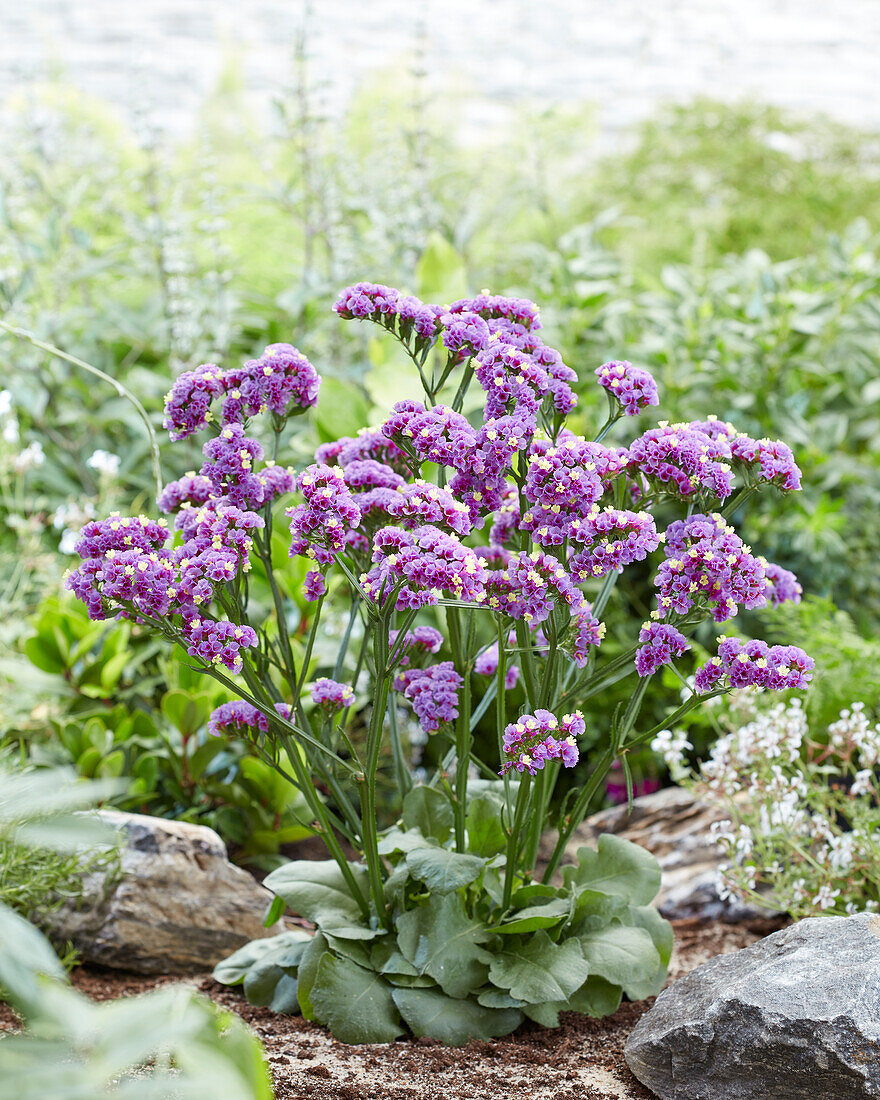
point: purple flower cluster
(315, 585)
(707, 565)
(425, 563)
(769, 459)
(319, 526)
(433, 692)
(492, 307)
(191, 489)
(387, 306)
(782, 585)
(417, 643)
(243, 718)
(281, 380)
(533, 740)
(218, 643)
(754, 664)
(513, 380)
(612, 538)
(464, 334)
(229, 465)
(634, 388)
(433, 435)
(331, 696)
(683, 458)
(660, 643)
(486, 664)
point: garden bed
(581, 1060)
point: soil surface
(581, 1060)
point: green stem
(522, 799)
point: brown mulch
(580, 1060)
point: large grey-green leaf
(441, 940)
(616, 867)
(285, 949)
(430, 811)
(593, 909)
(316, 890)
(596, 997)
(536, 916)
(356, 1004)
(443, 871)
(485, 833)
(433, 1014)
(306, 972)
(540, 970)
(398, 840)
(660, 930)
(625, 956)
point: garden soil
(581, 1060)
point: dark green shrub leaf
(536, 916)
(432, 1014)
(356, 1004)
(443, 871)
(616, 867)
(316, 890)
(441, 940)
(430, 811)
(285, 949)
(305, 975)
(485, 832)
(539, 970)
(625, 956)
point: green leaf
(285, 949)
(616, 867)
(356, 1004)
(443, 871)
(316, 890)
(185, 711)
(440, 271)
(433, 1014)
(26, 957)
(306, 972)
(396, 840)
(540, 970)
(342, 410)
(625, 956)
(430, 811)
(441, 940)
(660, 930)
(485, 832)
(536, 916)
(490, 997)
(591, 909)
(596, 997)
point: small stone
(177, 904)
(796, 1016)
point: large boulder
(674, 826)
(175, 904)
(794, 1016)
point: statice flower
(660, 643)
(535, 583)
(423, 502)
(387, 306)
(426, 563)
(433, 435)
(188, 402)
(314, 586)
(331, 696)
(281, 381)
(707, 564)
(633, 387)
(563, 484)
(612, 538)
(218, 643)
(191, 489)
(754, 664)
(243, 718)
(229, 465)
(533, 740)
(464, 334)
(781, 584)
(319, 526)
(681, 457)
(493, 306)
(418, 643)
(433, 692)
(369, 443)
(486, 664)
(769, 459)
(366, 473)
(512, 379)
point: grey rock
(175, 905)
(796, 1016)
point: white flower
(863, 783)
(105, 463)
(31, 456)
(5, 402)
(826, 897)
